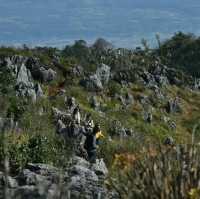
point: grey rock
(197, 84)
(173, 106)
(161, 80)
(97, 81)
(77, 71)
(47, 75)
(24, 76)
(117, 129)
(22, 70)
(95, 104)
(92, 83)
(126, 99)
(11, 182)
(79, 180)
(148, 117)
(27, 177)
(57, 114)
(38, 90)
(169, 141)
(103, 73)
(30, 192)
(100, 168)
(172, 125)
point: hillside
(146, 103)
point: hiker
(76, 115)
(91, 141)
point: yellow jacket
(99, 135)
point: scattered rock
(173, 106)
(95, 104)
(148, 117)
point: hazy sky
(124, 22)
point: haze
(123, 22)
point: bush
(37, 148)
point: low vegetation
(139, 166)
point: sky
(123, 22)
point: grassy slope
(132, 117)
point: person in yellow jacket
(91, 142)
(99, 136)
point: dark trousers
(92, 155)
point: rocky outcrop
(24, 70)
(40, 71)
(92, 83)
(40, 181)
(155, 75)
(97, 81)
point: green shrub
(37, 148)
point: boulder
(125, 100)
(38, 90)
(97, 81)
(196, 84)
(77, 71)
(47, 75)
(95, 104)
(92, 83)
(103, 73)
(100, 168)
(173, 106)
